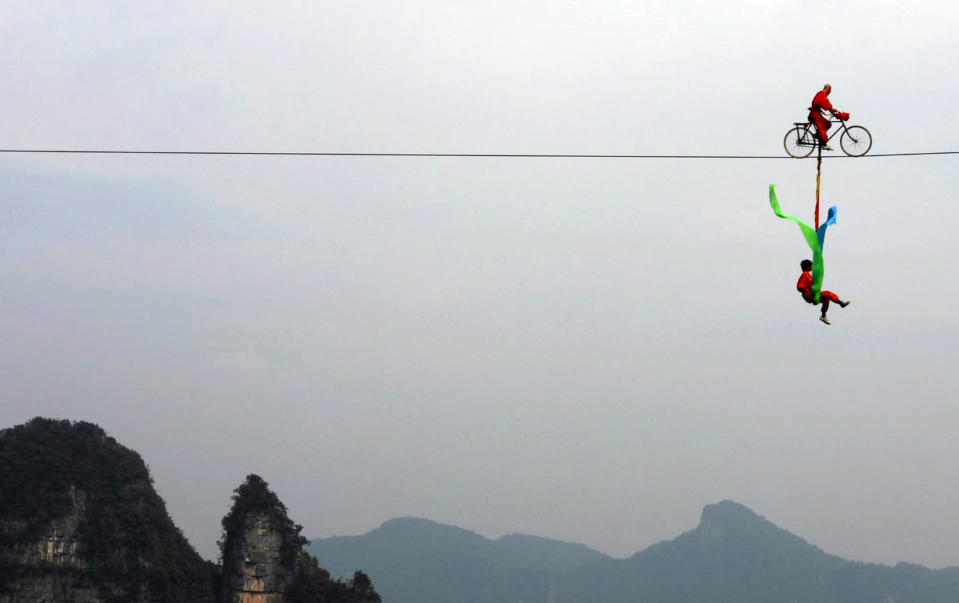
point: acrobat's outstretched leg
(826, 297)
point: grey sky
(588, 350)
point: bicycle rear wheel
(799, 142)
(855, 141)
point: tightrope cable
(463, 155)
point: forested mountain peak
(78, 514)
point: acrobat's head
(806, 265)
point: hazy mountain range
(733, 555)
(80, 521)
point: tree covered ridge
(41, 460)
(59, 472)
(128, 541)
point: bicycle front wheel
(799, 142)
(856, 141)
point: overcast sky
(583, 349)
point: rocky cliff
(54, 554)
(257, 566)
(264, 560)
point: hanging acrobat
(810, 282)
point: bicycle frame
(802, 139)
(810, 139)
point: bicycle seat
(799, 123)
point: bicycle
(801, 139)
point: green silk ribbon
(809, 233)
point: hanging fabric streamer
(821, 231)
(814, 238)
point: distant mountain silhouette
(415, 560)
(732, 556)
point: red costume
(820, 103)
(805, 287)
